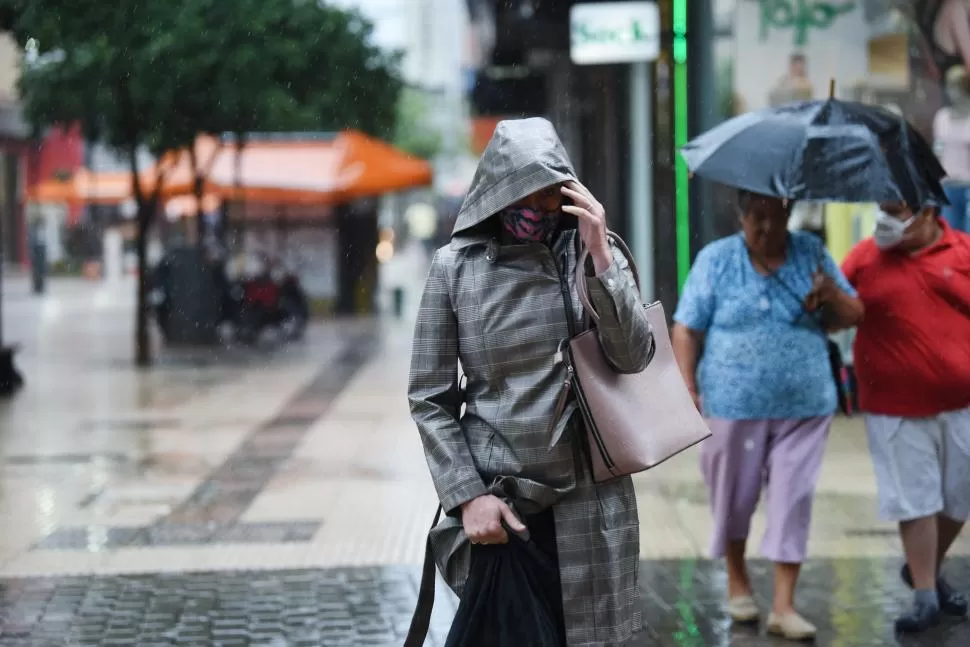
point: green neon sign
(801, 16)
(681, 200)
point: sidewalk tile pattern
(211, 514)
(196, 504)
(853, 602)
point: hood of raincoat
(523, 156)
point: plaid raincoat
(501, 311)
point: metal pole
(697, 111)
(10, 378)
(641, 175)
(3, 240)
(4, 214)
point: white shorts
(922, 465)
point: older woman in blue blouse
(750, 336)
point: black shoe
(952, 602)
(919, 618)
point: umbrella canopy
(831, 151)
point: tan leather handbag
(634, 421)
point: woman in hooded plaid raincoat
(499, 300)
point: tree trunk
(198, 191)
(238, 195)
(147, 207)
(143, 350)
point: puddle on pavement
(691, 493)
(210, 423)
(129, 424)
(121, 498)
(152, 466)
(115, 500)
(175, 464)
(301, 469)
(66, 459)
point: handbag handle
(581, 272)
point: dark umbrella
(831, 151)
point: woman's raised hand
(592, 223)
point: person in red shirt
(912, 361)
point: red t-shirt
(912, 349)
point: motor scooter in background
(263, 296)
(269, 298)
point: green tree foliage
(412, 132)
(158, 73)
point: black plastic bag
(512, 598)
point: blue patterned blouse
(763, 356)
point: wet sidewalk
(853, 602)
(280, 497)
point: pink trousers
(784, 457)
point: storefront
(768, 52)
(746, 55)
(613, 111)
(15, 153)
(716, 59)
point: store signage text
(801, 16)
(614, 32)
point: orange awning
(372, 167)
(274, 171)
(350, 165)
(85, 186)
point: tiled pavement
(280, 497)
(851, 600)
(212, 512)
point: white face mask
(890, 231)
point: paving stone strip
(211, 513)
(852, 601)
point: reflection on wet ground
(852, 601)
(211, 513)
(280, 496)
(76, 353)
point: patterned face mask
(530, 225)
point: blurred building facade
(718, 58)
(429, 34)
(13, 150)
(885, 52)
(27, 160)
(524, 68)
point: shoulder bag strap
(581, 272)
(800, 300)
(421, 620)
